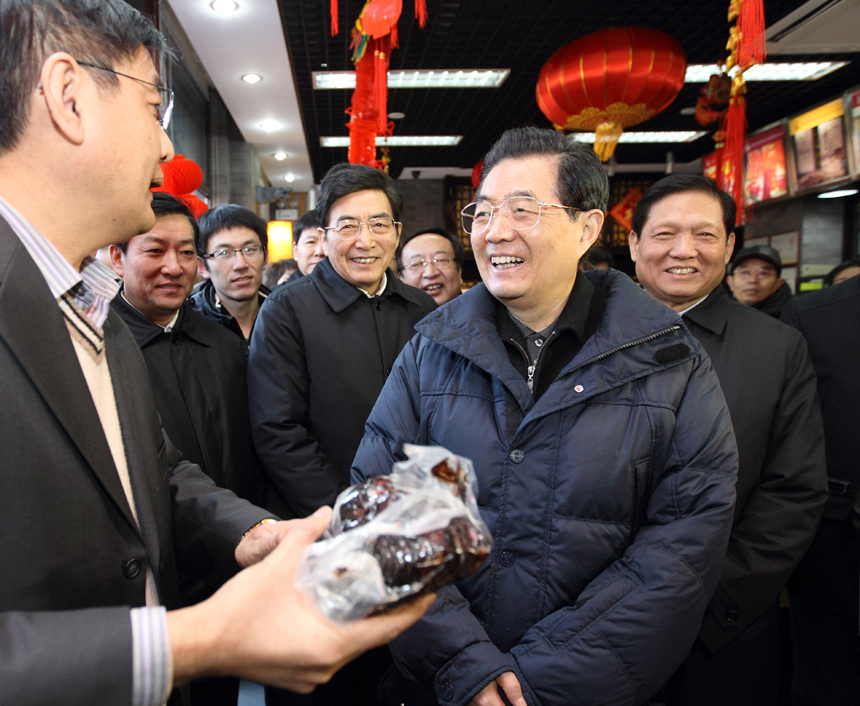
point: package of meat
(395, 537)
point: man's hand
(259, 627)
(489, 695)
(260, 541)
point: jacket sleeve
(448, 632)
(634, 623)
(780, 514)
(279, 390)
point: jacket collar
(713, 313)
(339, 294)
(145, 330)
(468, 326)
(32, 327)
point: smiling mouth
(682, 270)
(364, 260)
(432, 288)
(506, 262)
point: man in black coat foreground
(681, 241)
(824, 589)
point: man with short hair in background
(755, 280)
(97, 507)
(432, 260)
(307, 245)
(232, 253)
(682, 238)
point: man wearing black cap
(755, 280)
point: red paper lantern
(610, 80)
(476, 174)
(181, 177)
(379, 16)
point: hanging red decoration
(732, 152)
(181, 177)
(379, 17)
(476, 174)
(610, 80)
(751, 33)
(334, 26)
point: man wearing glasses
(604, 452)
(232, 248)
(432, 260)
(97, 507)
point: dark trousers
(354, 685)
(744, 672)
(824, 592)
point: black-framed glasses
(350, 227)
(520, 212)
(443, 263)
(164, 110)
(250, 253)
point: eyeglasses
(520, 212)
(164, 110)
(350, 227)
(747, 273)
(250, 253)
(443, 263)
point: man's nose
(167, 152)
(683, 246)
(499, 228)
(170, 264)
(239, 261)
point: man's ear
(730, 247)
(633, 244)
(116, 259)
(62, 85)
(324, 238)
(591, 228)
(202, 270)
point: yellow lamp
(280, 240)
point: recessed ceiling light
(643, 137)
(224, 7)
(269, 125)
(280, 156)
(290, 178)
(401, 141)
(839, 194)
(397, 115)
(451, 78)
(689, 110)
(776, 71)
(252, 78)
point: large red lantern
(610, 80)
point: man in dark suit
(96, 505)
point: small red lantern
(181, 177)
(609, 80)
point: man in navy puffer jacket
(604, 451)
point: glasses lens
(522, 212)
(467, 216)
(381, 226)
(442, 263)
(252, 252)
(165, 111)
(347, 229)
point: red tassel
(421, 12)
(394, 39)
(381, 86)
(736, 126)
(751, 47)
(334, 27)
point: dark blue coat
(610, 506)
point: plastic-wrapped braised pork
(398, 536)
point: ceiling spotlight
(689, 110)
(397, 115)
(269, 126)
(290, 178)
(252, 78)
(280, 156)
(224, 7)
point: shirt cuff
(152, 661)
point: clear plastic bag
(395, 537)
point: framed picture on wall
(819, 146)
(788, 247)
(854, 116)
(765, 172)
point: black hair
(100, 32)
(276, 270)
(828, 279)
(680, 184)
(581, 180)
(597, 255)
(308, 220)
(459, 253)
(229, 215)
(164, 204)
(344, 179)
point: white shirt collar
(381, 288)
